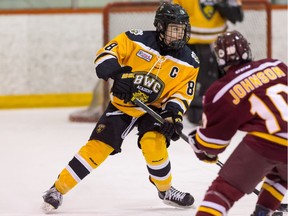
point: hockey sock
(153, 145)
(89, 157)
(219, 198)
(272, 193)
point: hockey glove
(200, 154)
(167, 129)
(172, 126)
(123, 83)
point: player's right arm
(108, 58)
(107, 65)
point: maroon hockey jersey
(251, 97)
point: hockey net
(122, 16)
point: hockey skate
(176, 198)
(52, 200)
(262, 211)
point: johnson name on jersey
(253, 98)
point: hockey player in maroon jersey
(251, 97)
(157, 67)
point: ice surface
(36, 144)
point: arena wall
(47, 58)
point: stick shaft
(155, 115)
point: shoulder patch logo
(100, 128)
(136, 31)
(207, 8)
(144, 55)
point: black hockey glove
(201, 155)
(123, 84)
(172, 126)
(167, 129)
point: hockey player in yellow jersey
(208, 18)
(158, 68)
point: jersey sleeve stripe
(211, 140)
(208, 144)
(100, 59)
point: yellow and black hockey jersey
(161, 78)
(205, 20)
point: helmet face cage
(232, 48)
(171, 13)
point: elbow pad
(107, 68)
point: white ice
(36, 144)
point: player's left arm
(178, 102)
(181, 98)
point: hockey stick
(283, 207)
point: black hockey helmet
(171, 13)
(232, 48)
